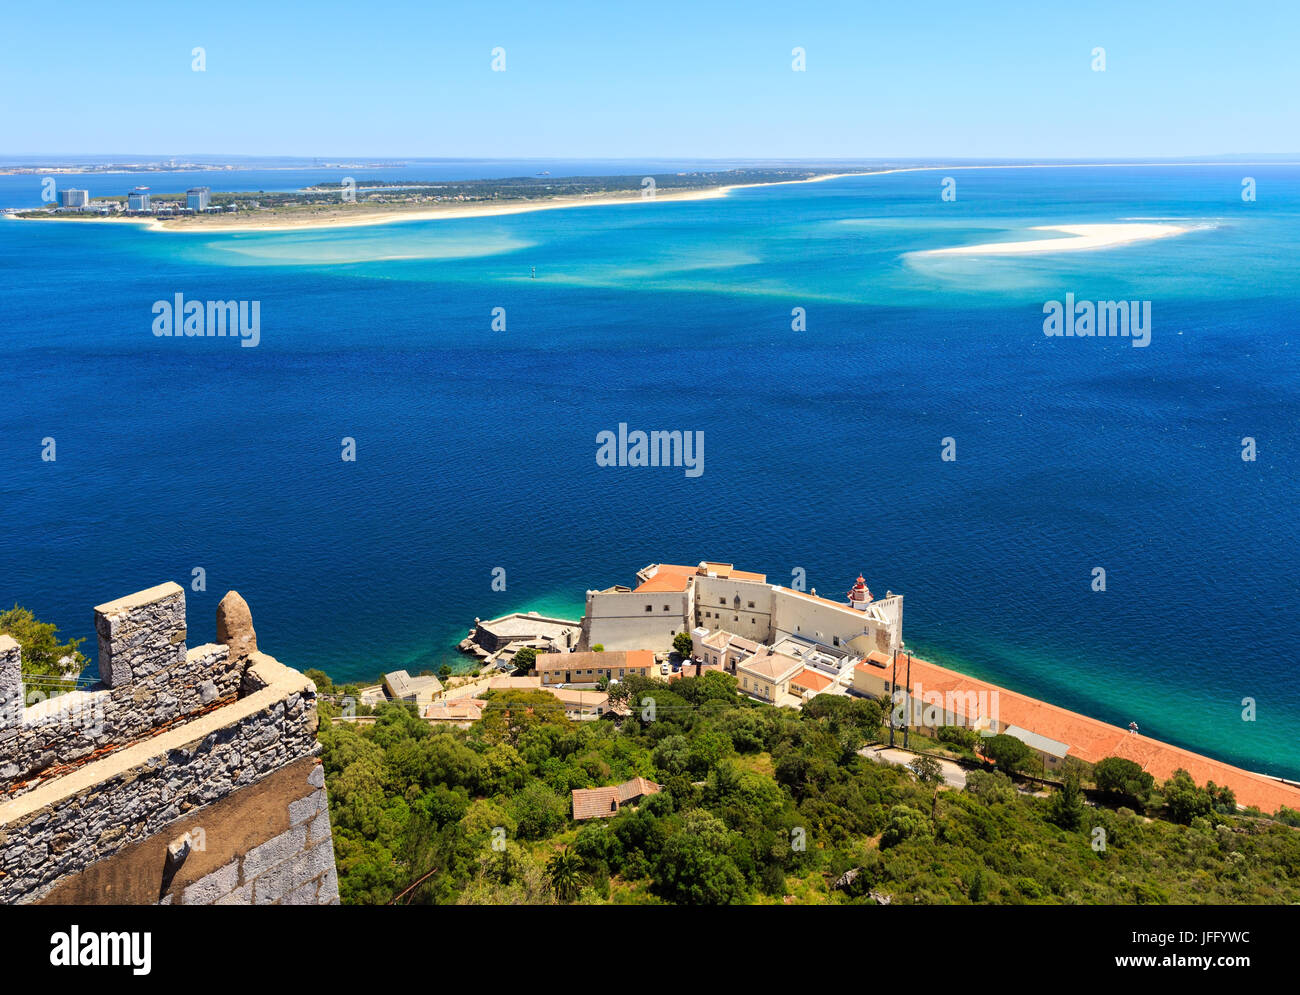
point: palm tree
(565, 874)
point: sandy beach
(1081, 238)
(360, 215)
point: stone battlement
(183, 776)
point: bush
(1010, 754)
(904, 823)
(1123, 779)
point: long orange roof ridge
(1091, 739)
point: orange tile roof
(638, 787)
(769, 665)
(592, 660)
(721, 569)
(601, 803)
(811, 680)
(594, 803)
(1091, 739)
(664, 582)
(457, 710)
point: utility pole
(893, 690)
(909, 698)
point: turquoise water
(476, 448)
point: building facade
(715, 596)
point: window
(649, 608)
(751, 604)
(837, 640)
(668, 608)
(723, 602)
(735, 618)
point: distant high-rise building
(73, 198)
(196, 199)
(138, 199)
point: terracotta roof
(593, 660)
(457, 710)
(721, 569)
(811, 680)
(772, 666)
(638, 787)
(671, 583)
(594, 803)
(601, 803)
(1091, 739)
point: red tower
(860, 596)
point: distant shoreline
(337, 216)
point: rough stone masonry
(183, 777)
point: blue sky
(976, 78)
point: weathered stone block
(11, 682)
(141, 634)
(319, 828)
(274, 851)
(306, 808)
(211, 888)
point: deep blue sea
(476, 448)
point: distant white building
(196, 198)
(671, 598)
(138, 199)
(73, 198)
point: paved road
(954, 775)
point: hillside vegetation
(762, 805)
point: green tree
(1065, 808)
(683, 644)
(978, 887)
(696, 866)
(43, 654)
(927, 770)
(538, 811)
(1124, 779)
(673, 755)
(525, 661)
(905, 823)
(1010, 754)
(990, 787)
(324, 685)
(1184, 801)
(566, 875)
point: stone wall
(181, 769)
(149, 682)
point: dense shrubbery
(760, 805)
